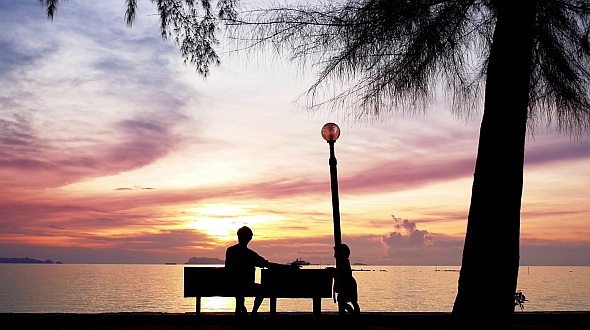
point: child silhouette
(344, 283)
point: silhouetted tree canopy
(392, 55)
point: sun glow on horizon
(222, 220)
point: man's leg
(342, 307)
(240, 307)
(257, 303)
(258, 298)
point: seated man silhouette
(241, 263)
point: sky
(113, 150)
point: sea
(115, 288)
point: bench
(316, 284)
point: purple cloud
(407, 245)
(29, 160)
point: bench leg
(273, 306)
(317, 308)
(198, 306)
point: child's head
(342, 251)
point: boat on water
(300, 262)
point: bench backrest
(296, 283)
(206, 282)
(279, 283)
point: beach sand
(305, 321)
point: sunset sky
(115, 151)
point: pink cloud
(29, 160)
(408, 245)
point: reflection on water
(41, 288)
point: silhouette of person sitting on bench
(241, 263)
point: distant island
(26, 260)
(203, 261)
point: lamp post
(331, 133)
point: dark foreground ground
(304, 321)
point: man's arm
(274, 265)
(263, 263)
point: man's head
(245, 234)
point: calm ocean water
(47, 288)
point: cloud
(165, 246)
(38, 152)
(27, 159)
(403, 174)
(555, 149)
(408, 245)
(407, 235)
(135, 188)
(90, 99)
(21, 47)
(554, 253)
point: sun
(222, 220)
(223, 229)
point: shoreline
(550, 320)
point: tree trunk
(489, 269)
